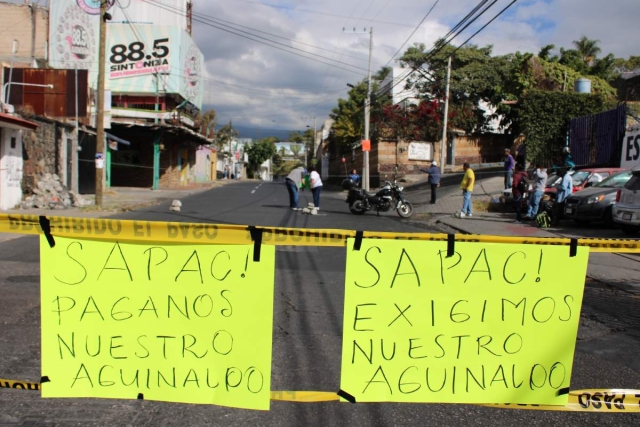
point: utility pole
(367, 112)
(443, 143)
(100, 146)
(367, 115)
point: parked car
(626, 212)
(582, 178)
(596, 202)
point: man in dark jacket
(434, 179)
(520, 184)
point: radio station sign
(137, 58)
(154, 58)
(74, 27)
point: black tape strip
(358, 243)
(256, 236)
(45, 224)
(451, 245)
(563, 391)
(44, 379)
(573, 249)
(346, 396)
(140, 396)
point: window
(634, 183)
(615, 181)
(13, 142)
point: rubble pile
(49, 193)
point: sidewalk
(619, 270)
(115, 200)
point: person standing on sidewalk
(316, 186)
(509, 163)
(433, 179)
(468, 180)
(564, 189)
(293, 181)
(539, 182)
(520, 185)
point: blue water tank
(583, 86)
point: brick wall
(386, 154)
(481, 149)
(18, 17)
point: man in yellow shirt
(468, 180)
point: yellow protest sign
(157, 321)
(493, 323)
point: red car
(582, 178)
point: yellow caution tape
(304, 396)
(596, 400)
(22, 385)
(203, 233)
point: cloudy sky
(278, 64)
(311, 58)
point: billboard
(143, 40)
(74, 26)
(153, 58)
(631, 149)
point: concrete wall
(11, 165)
(27, 24)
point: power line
(321, 13)
(461, 26)
(412, 33)
(272, 43)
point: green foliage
(544, 117)
(588, 49)
(208, 123)
(225, 135)
(349, 114)
(285, 167)
(258, 152)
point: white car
(626, 211)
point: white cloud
(290, 89)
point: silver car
(595, 203)
(626, 212)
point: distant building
(395, 86)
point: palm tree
(588, 49)
(295, 149)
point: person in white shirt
(316, 186)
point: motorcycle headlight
(400, 188)
(595, 199)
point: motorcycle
(389, 196)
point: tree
(208, 123)
(295, 149)
(545, 53)
(349, 113)
(225, 135)
(588, 49)
(258, 152)
(476, 77)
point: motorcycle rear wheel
(357, 208)
(405, 210)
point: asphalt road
(307, 333)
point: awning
(13, 122)
(115, 138)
